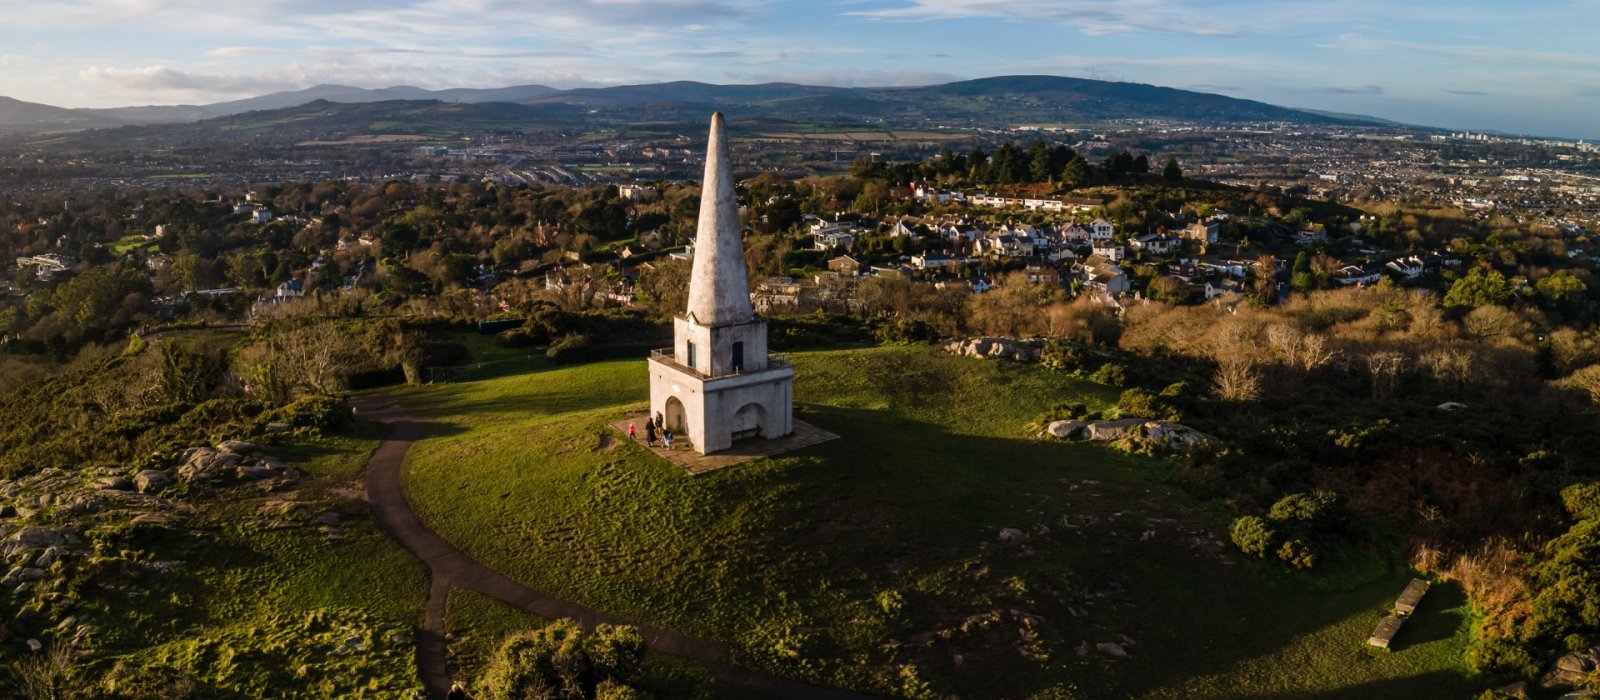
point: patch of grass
(875, 561)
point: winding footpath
(449, 567)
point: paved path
(449, 568)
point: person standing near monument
(667, 436)
(650, 434)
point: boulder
(38, 537)
(50, 556)
(151, 481)
(1114, 429)
(277, 428)
(1572, 669)
(114, 483)
(255, 472)
(1066, 428)
(205, 463)
(1011, 534)
(238, 447)
(1112, 650)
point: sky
(1531, 66)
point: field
(876, 561)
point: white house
(1110, 251)
(833, 238)
(1103, 275)
(1409, 267)
(1101, 230)
(1154, 244)
(261, 216)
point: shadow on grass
(1436, 618)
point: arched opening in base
(747, 421)
(675, 417)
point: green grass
(873, 561)
(259, 599)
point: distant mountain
(1000, 101)
(19, 116)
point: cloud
(159, 79)
(1092, 17)
(1468, 93)
(855, 77)
(1368, 89)
(1472, 52)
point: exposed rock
(238, 447)
(114, 483)
(50, 556)
(1164, 434)
(1112, 650)
(35, 646)
(151, 481)
(255, 472)
(276, 428)
(1066, 428)
(1451, 406)
(1571, 669)
(39, 537)
(205, 463)
(1517, 690)
(1003, 348)
(1011, 534)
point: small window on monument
(691, 355)
(738, 357)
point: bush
(905, 332)
(1297, 554)
(1061, 357)
(1503, 656)
(1111, 374)
(1252, 535)
(562, 660)
(1139, 403)
(1314, 508)
(314, 412)
(571, 347)
(1582, 500)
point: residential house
(1101, 230)
(1358, 275)
(1310, 235)
(1108, 250)
(1098, 273)
(934, 261)
(1224, 287)
(1154, 244)
(845, 265)
(1081, 204)
(292, 289)
(1076, 234)
(905, 228)
(1208, 231)
(1043, 274)
(261, 216)
(1410, 267)
(835, 238)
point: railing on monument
(668, 357)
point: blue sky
(1531, 66)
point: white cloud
(1092, 17)
(855, 77)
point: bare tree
(1385, 368)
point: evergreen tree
(1170, 172)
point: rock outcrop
(995, 348)
(1164, 435)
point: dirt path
(449, 568)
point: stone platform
(804, 435)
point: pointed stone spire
(719, 291)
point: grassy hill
(875, 561)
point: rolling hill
(338, 111)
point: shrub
(1501, 655)
(1139, 403)
(315, 412)
(562, 660)
(1111, 374)
(1252, 535)
(891, 602)
(1297, 554)
(571, 347)
(1313, 508)
(1061, 357)
(905, 332)
(1582, 500)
